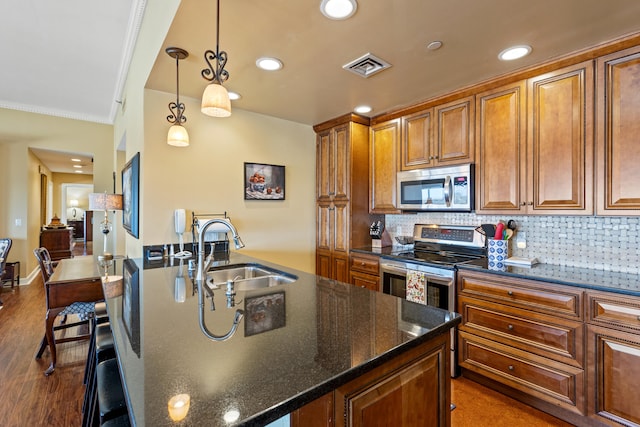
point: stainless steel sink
(247, 276)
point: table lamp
(106, 202)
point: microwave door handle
(447, 190)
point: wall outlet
(521, 240)
(18, 222)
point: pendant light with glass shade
(215, 99)
(177, 135)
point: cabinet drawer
(559, 384)
(619, 311)
(556, 300)
(556, 338)
(365, 264)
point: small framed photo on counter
(263, 182)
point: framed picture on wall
(130, 195)
(263, 182)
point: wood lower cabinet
(535, 145)
(527, 336)
(569, 352)
(342, 197)
(613, 362)
(618, 126)
(364, 271)
(412, 389)
(59, 242)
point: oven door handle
(393, 269)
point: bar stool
(100, 317)
(111, 400)
(102, 350)
(121, 421)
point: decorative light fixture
(514, 52)
(106, 202)
(177, 135)
(215, 99)
(338, 9)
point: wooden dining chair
(84, 310)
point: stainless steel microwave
(438, 189)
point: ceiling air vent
(367, 65)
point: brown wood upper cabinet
(535, 144)
(383, 157)
(442, 135)
(618, 128)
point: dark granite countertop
(610, 281)
(301, 341)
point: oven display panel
(450, 234)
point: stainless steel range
(426, 274)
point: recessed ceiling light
(363, 109)
(434, 45)
(234, 96)
(269, 64)
(338, 9)
(514, 52)
(76, 160)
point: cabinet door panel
(618, 129)
(324, 224)
(341, 228)
(455, 132)
(342, 161)
(383, 157)
(560, 140)
(500, 133)
(416, 141)
(614, 368)
(324, 169)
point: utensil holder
(497, 253)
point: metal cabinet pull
(510, 327)
(511, 367)
(510, 293)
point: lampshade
(215, 101)
(105, 202)
(178, 136)
(73, 203)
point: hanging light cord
(177, 108)
(216, 74)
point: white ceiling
(69, 58)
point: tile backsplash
(602, 243)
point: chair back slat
(5, 247)
(46, 265)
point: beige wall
(20, 131)
(208, 177)
(68, 178)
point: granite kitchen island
(298, 343)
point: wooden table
(74, 280)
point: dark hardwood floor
(28, 398)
